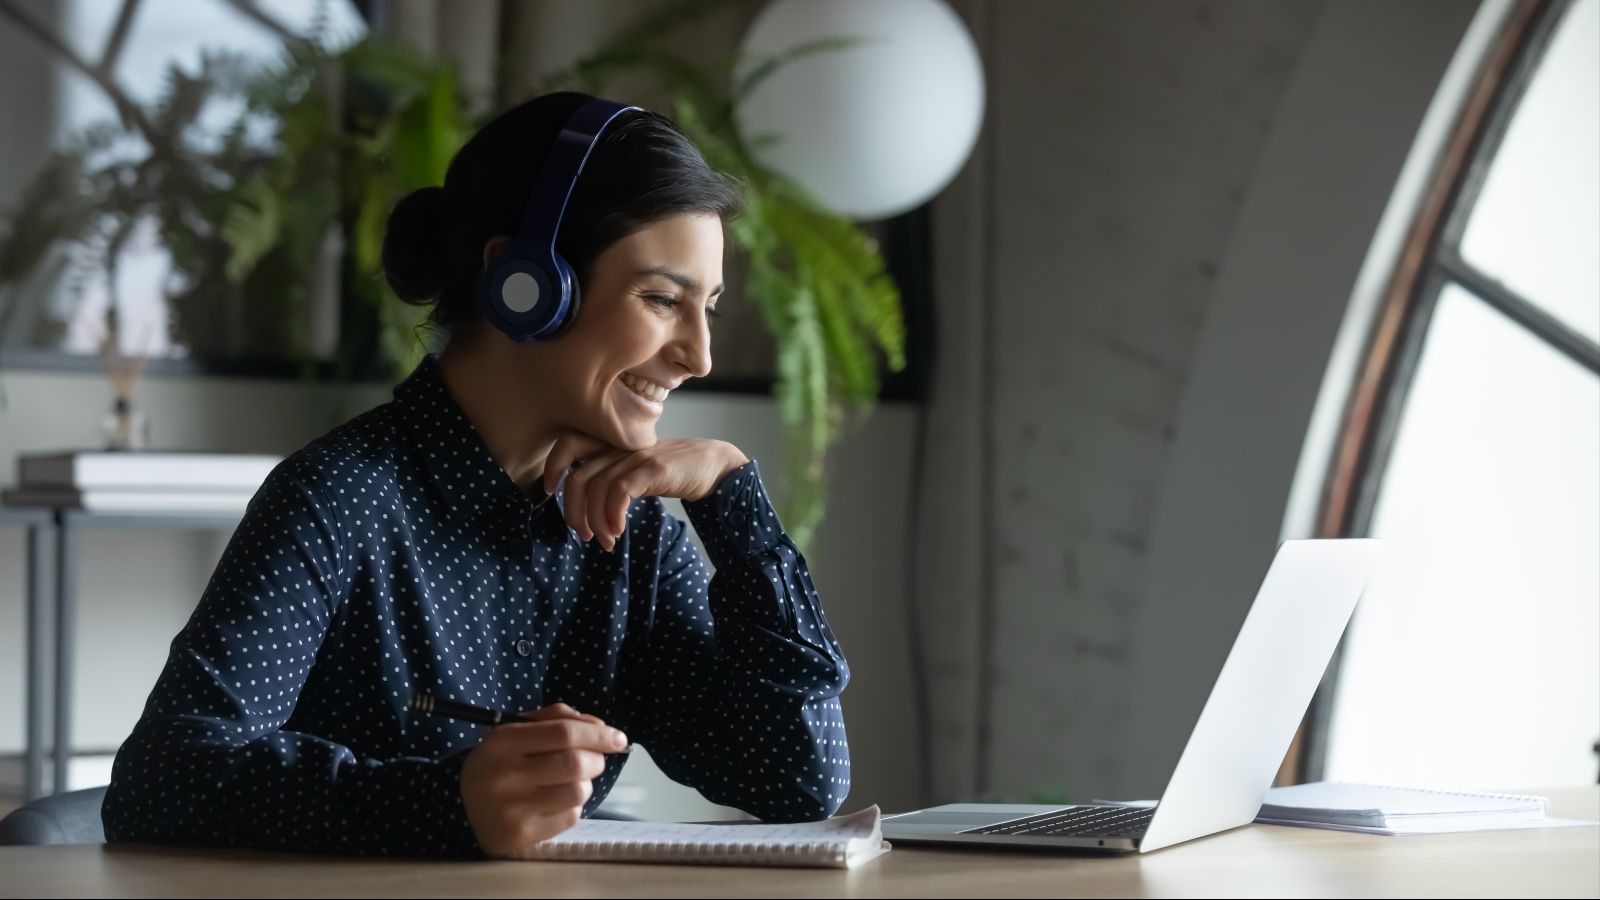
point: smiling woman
(417, 547)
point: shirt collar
(463, 472)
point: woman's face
(643, 329)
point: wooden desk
(1255, 861)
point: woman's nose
(692, 349)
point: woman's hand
(604, 480)
(528, 781)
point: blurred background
(1050, 321)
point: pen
(425, 702)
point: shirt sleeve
(740, 693)
(210, 761)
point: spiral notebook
(842, 842)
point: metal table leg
(33, 766)
(66, 621)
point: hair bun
(415, 243)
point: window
(1473, 660)
(134, 49)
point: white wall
(1077, 259)
(1349, 120)
(1142, 275)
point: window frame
(1430, 260)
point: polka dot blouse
(393, 555)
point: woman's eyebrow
(681, 280)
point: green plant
(364, 126)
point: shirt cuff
(736, 520)
(439, 812)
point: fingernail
(618, 739)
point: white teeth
(645, 388)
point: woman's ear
(493, 248)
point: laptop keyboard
(1077, 821)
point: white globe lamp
(871, 129)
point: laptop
(1237, 744)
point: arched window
(1474, 449)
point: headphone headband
(552, 189)
(532, 293)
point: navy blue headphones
(531, 293)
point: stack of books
(140, 482)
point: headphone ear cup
(574, 296)
(517, 296)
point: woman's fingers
(609, 497)
(558, 711)
(575, 503)
(568, 449)
(618, 498)
(555, 735)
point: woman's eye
(670, 301)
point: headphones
(531, 293)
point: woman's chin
(632, 436)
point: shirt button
(524, 648)
(736, 517)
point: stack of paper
(1375, 809)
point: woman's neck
(518, 435)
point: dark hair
(642, 170)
